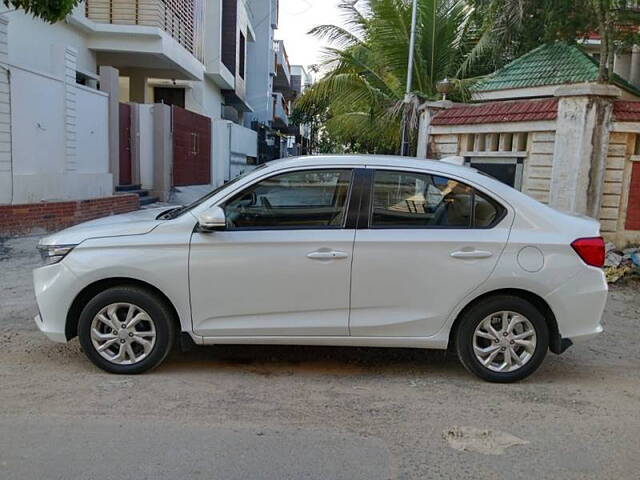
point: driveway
(240, 412)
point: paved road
(119, 447)
(302, 412)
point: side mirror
(212, 219)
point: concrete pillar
(580, 151)
(622, 65)
(138, 91)
(109, 83)
(634, 76)
(6, 164)
(427, 111)
(163, 152)
(67, 59)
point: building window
(636, 146)
(242, 55)
(169, 96)
(506, 169)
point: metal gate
(125, 177)
(191, 148)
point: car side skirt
(434, 342)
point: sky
(297, 17)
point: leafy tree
(506, 29)
(48, 10)
(363, 90)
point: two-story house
(99, 100)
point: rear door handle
(471, 254)
(327, 255)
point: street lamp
(444, 87)
(404, 145)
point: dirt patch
(487, 442)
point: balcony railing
(281, 58)
(182, 19)
(280, 110)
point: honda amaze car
(331, 250)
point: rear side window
(417, 200)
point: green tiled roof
(549, 64)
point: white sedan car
(332, 250)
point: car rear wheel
(126, 330)
(502, 339)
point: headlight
(54, 253)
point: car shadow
(287, 360)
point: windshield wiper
(169, 214)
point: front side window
(303, 199)
(417, 200)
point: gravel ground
(302, 412)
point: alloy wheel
(123, 333)
(504, 341)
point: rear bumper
(578, 306)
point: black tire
(475, 314)
(154, 306)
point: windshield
(176, 212)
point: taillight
(590, 250)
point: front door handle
(470, 254)
(327, 255)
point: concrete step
(140, 192)
(127, 188)
(146, 200)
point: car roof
(371, 160)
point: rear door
(424, 242)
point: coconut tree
(366, 67)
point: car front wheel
(126, 330)
(502, 339)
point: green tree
(506, 29)
(361, 95)
(48, 10)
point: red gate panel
(125, 177)
(191, 148)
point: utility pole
(404, 146)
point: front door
(124, 118)
(282, 266)
(429, 241)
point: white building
(62, 131)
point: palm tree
(364, 87)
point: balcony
(280, 111)
(282, 79)
(178, 18)
(155, 38)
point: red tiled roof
(498, 112)
(626, 111)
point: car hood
(133, 223)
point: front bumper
(55, 335)
(55, 287)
